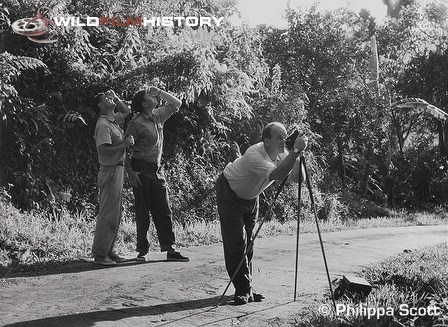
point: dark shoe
(240, 299)
(256, 297)
(106, 261)
(176, 256)
(115, 257)
(142, 252)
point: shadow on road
(91, 318)
(54, 268)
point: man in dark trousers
(237, 192)
(146, 173)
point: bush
(416, 279)
(27, 238)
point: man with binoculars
(111, 147)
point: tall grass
(27, 238)
(35, 237)
(418, 279)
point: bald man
(237, 192)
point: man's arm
(167, 97)
(132, 175)
(287, 164)
(122, 108)
(108, 150)
(298, 171)
(285, 167)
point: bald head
(274, 135)
(269, 130)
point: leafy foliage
(233, 80)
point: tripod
(268, 212)
(313, 204)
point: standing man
(111, 148)
(237, 191)
(146, 173)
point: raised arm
(287, 164)
(122, 108)
(167, 97)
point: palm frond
(72, 117)
(20, 63)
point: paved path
(159, 293)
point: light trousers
(110, 184)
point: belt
(146, 164)
(232, 193)
(119, 163)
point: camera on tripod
(289, 142)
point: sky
(270, 12)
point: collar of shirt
(109, 118)
(147, 116)
(266, 155)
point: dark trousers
(152, 197)
(237, 217)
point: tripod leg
(298, 228)
(318, 232)
(251, 242)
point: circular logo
(324, 309)
(39, 29)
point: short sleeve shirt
(107, 131)
(248, 175)
(147, 131)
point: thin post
(298, 226)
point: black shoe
(115, 257)
(240, 299)
(104, 261)
(140, 257)
(256, 297)
(176, 256)
(142, 252)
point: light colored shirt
(107, 131)
(147, 131)
(248, 175)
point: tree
(216, 71)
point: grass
(398, 219)
(37, 241)
(33, 238)
(417, 281)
